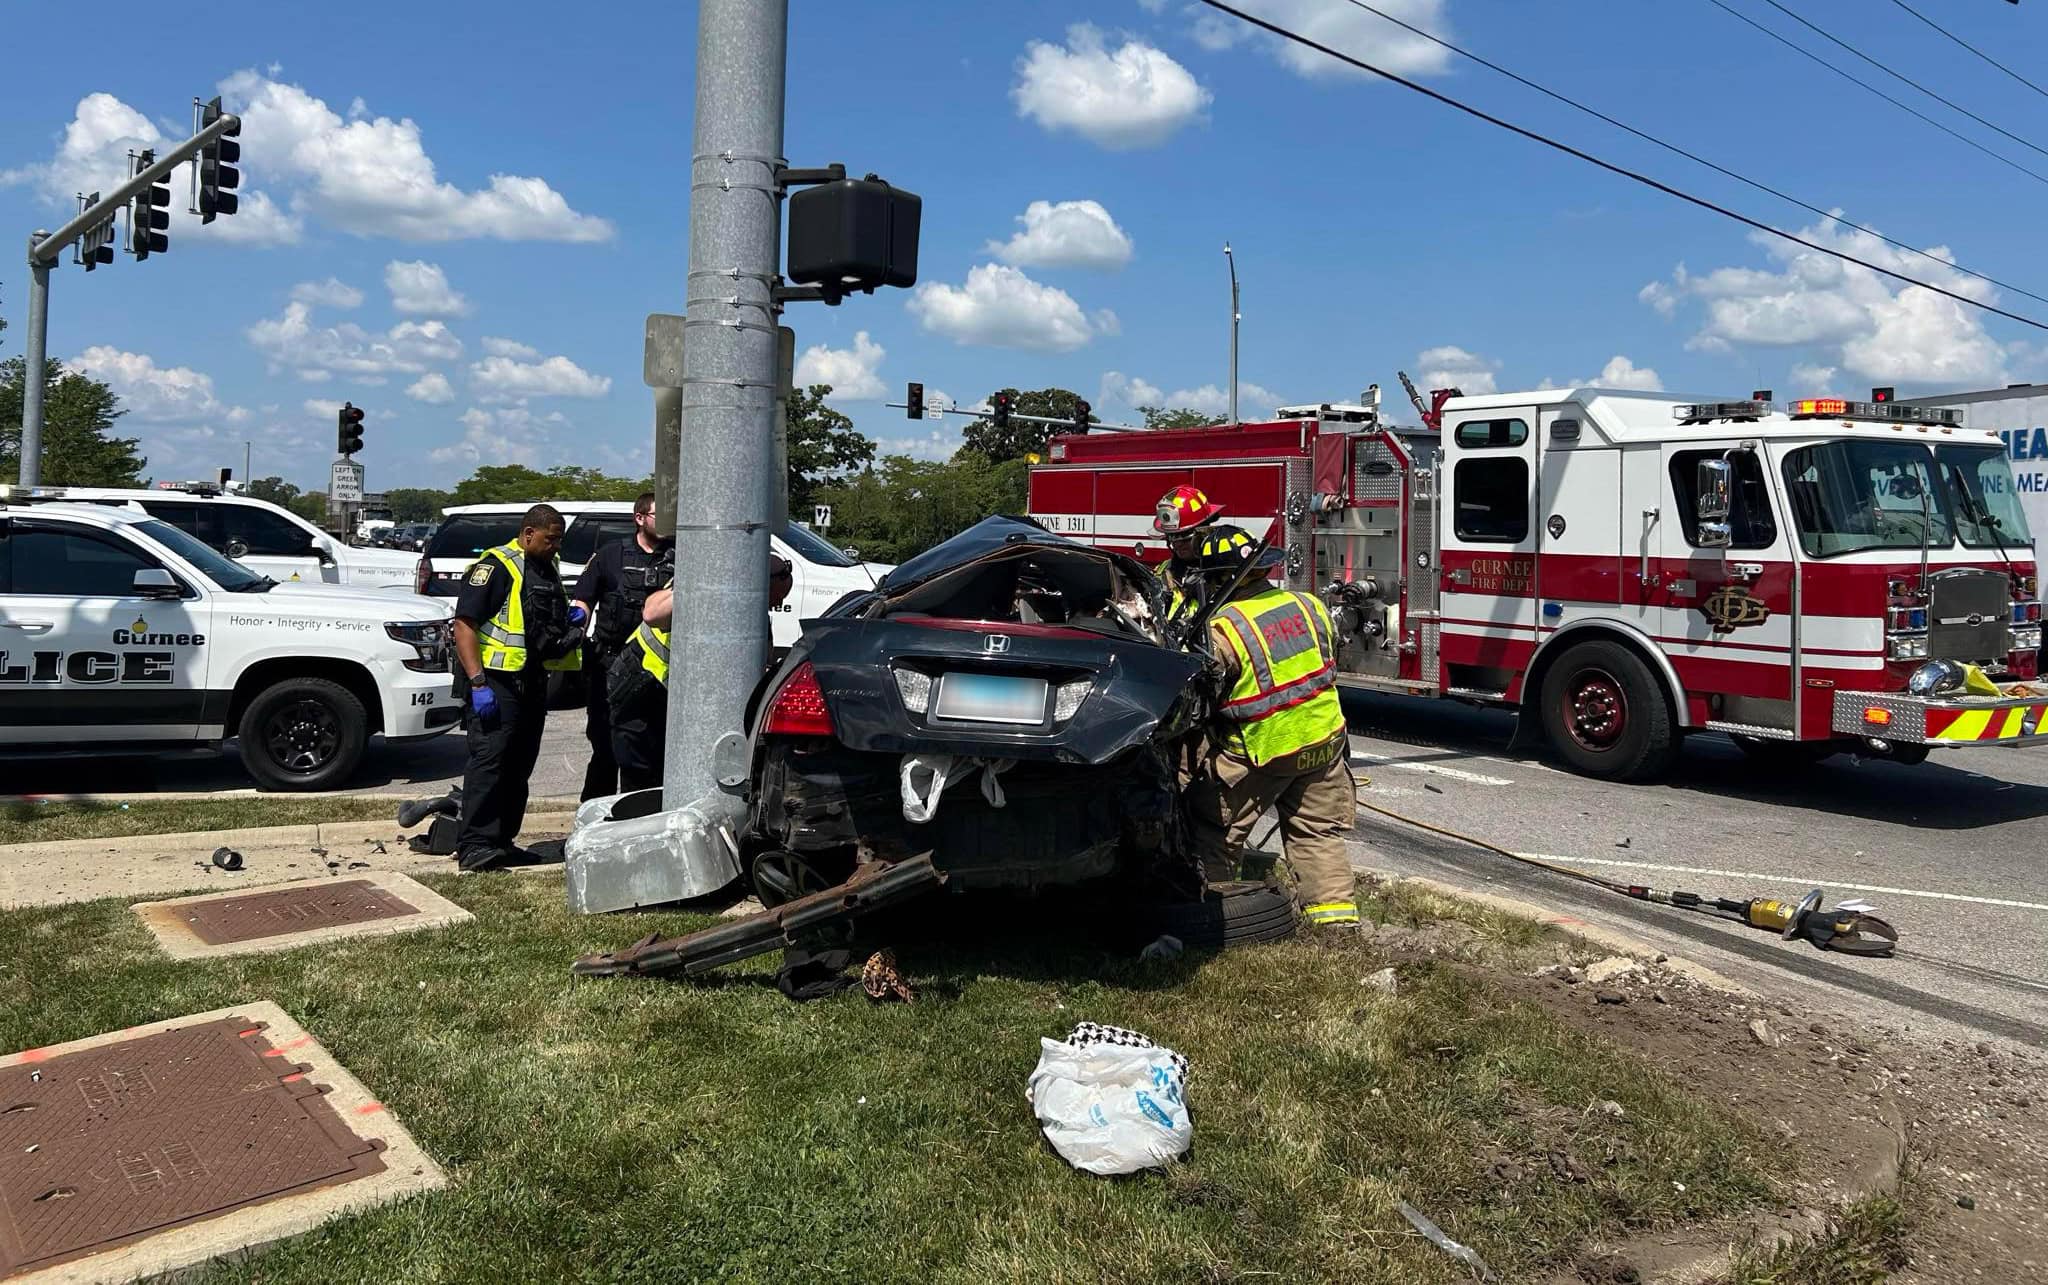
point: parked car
(409, 537)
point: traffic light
(95, 243)
(1881, 394)
(1081, 415)
(151, 216)
(227, 475)
(999, 409)
(348, 429)
(913, 403)
(218, 177)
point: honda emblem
(995, 643)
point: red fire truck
(1624, 568)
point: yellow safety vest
(653, 646)
(502, 638)
(1285, 700)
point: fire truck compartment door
(1491, 527)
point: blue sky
(456, 216)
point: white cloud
(511, 435)
(938, 444)
(852, 372)
(1449, 366)
(154, 393)
(1000, 307)
(1620, 372)
(421, 288)
(1809, 380)
(496, 347)
(1254, 401)
(93, 157)
(1342, 27)
(372, 175)
(1843, 316)
(1129, 97)
(508, 379)
(331, 293)
(1069, 234)
(294, 341)
(1119, 389)
(320, 409)
(432, 388)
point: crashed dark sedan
(1020, 674)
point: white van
(263, 537)
(120, 633)
(822, 574)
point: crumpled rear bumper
(1942, 723)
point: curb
(1594, 934)
(247, 793)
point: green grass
(636, 1129)
(1862, 1245)
(48, 822)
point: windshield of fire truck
(1987, 504)
(1853, 495)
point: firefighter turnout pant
(1317, 804)
(503, 749)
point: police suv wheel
(303, 734)
(1606, 715)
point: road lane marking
(1808, 880)
(1360, 757)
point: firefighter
(1279, 740)
(616, 583)
(513, 625)
(638, 683)
(1187, 519)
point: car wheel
(1229, 914)
(303, 734)
(1606, 715)
(1782, 754)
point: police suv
(121, 633)
(262, 536)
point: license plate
(990, 698)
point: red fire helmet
(1183, 509)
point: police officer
(1187, 518)
(513, 624)
(615, 582)
(639, 683)
(1279, 742)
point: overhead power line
(1306, 42)
(1972, 48)
(1576, 105)
(1903, 79)
(1803, 51)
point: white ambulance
(121, 633)
(264, 537)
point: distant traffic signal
(348, 429)
(1881, 394)
(914, 402)
(999, 409)
(151, 215)
(218, 177)
(1081, 415)
(95, 243)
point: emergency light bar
(1883, 412)
(1697, 412)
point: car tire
(1229, 914)
(1784, 754)
(303, 734)
(1606, 715)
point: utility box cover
(855, 234)
(662, 360)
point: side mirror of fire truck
(1716, 500)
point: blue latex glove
(577, 615)
(483, 701)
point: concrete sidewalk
(155, 865)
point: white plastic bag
(1111, 1101)
(925, 777)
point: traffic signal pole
(719, 637)
(43, 251)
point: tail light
(799, 706)
(423, 575)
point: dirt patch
(1851, 1105)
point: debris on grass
(1435, 1235)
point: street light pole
(720, 632)
(36, 351)
(1232, 261)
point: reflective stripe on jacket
(502, 638)
(652, 646)
(1285, 698)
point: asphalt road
(1953, 852)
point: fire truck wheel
(1606, 715)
